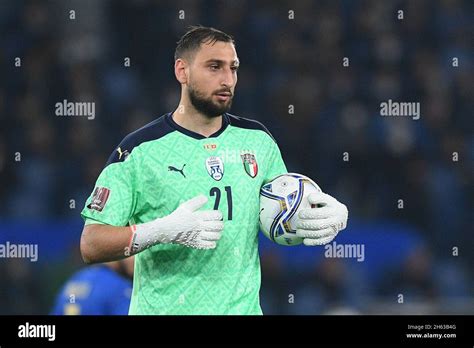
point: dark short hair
(197, 35)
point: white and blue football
(280, 201)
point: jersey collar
(172, 123)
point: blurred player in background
(200, 256)
(97, 290)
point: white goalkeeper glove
(321, 224)
(186, 226)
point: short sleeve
(276, 165)
(113, 199)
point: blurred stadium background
(284, 62)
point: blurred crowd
(422, 54)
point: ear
(180, 66)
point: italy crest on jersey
(215, 167)
(250, 164)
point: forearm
(187, 226)
(103, 243)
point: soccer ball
(280, 201)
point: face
(212, 76)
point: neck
(188, 117)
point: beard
(207, 106)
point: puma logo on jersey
(174, 169)
(122, 153)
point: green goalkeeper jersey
(161, 165)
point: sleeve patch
(99, 198)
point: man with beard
(182, 194)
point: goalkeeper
(173, 196)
